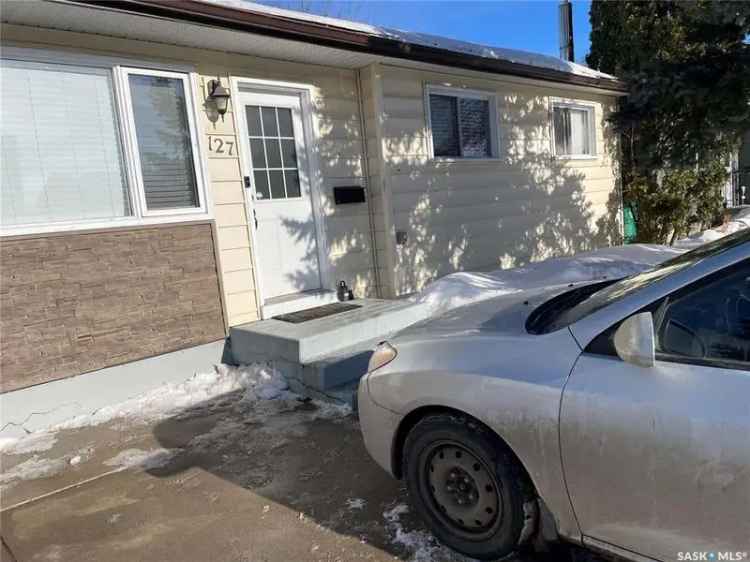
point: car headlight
(384, 353)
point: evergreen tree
(687, 67)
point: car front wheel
(467, 486)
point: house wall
(522, 206)
(73, 303)
(338, 146)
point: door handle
(246, 182)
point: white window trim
(590, 108)
(120, 68)
(133, 155)
(494, 138)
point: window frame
(119, 69)
(489, 96)
(590, 108)
(124, 75)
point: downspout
(366, 174)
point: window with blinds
(60, 153)
(164, 142)
(573, 130)
(461, 126)
(91, 145)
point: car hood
(506, 314)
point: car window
(707, 321)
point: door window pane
(258, 153)
(288, 153)
(285, 122)
(253, 120)
(292, 183)
(273, 152)
(710, 321)
(61, 157)
(261, 184)
(277, 184)
(164, 141)
(269, 122)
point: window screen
(460, 126)
(573, 131)
(164, 144)
(61, 156)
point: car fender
(518, 398)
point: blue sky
(529, 25)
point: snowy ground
(231, 477)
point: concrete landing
(326, 352)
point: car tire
(468, 487)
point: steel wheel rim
(463, 489)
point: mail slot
(344, 195)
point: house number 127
(221, 146)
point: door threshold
(297, 301)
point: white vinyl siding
(480, 214)
(89, 143)
(574, 132)
(462, 124)
(61, 150)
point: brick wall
(79, 302)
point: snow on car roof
(424, 39)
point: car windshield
(578, 303)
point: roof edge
(195, 11)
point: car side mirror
(634, 340)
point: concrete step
(325, 353)
(313, 340)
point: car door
(657, 460)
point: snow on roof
(424, 39)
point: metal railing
(738, 189)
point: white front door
(279, 184)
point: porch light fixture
(219, 95)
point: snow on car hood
(461, 289)
(505, 313)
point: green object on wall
(631, 230)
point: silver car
(612, 414)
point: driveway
(227, 480)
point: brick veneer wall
(74, 303)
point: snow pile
(259, 382)
(422, 546)
(34, 443)
(740, 222)
(32, 469)
(131, 458)
(459, 289)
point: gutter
(195, 11)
